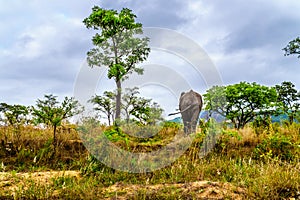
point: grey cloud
(259, 33)
(154, 13)
(246, 35)
(254, 24)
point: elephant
(190, 105)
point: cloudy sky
(43, 44)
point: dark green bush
(276, 146)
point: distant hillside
(205, 115)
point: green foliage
(276, 146)
(225, 137)
(105, 104)
(131, 102)
(135, 108)
(93, 166)
(50, 113)
(114, 134)
(45, 153)
(216, 101)
(234, 175)
(15, 115)
(293, 48)
(147, 113)
(174, 125)
(246, 101)
(117, 46)
(260, 124)
(242, 102)
(289, 100)
(63, 182)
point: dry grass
(232, 168)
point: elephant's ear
(199, 97)
(182, 93)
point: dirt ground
(199, 189)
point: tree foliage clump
(293, 48)
(289, 99)
(51, 113)
(134, 107)
(105, 104)
(15, 115)
(241, 103)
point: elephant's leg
(185, 120)
(193, 126)
(184, 125)
(189, 128)
(194, 120)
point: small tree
(134, 107)
(105, 104)
(215, 100)
(155, 114)
(51, 113)
(146, 111)
(289, 99)
(130, 102)
(15, 115)
(140, 108)
(116, 46)
(293, 48)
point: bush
(276, 146)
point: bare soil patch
(199, 189)
(11, 181)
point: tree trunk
(108, 117)
(127, 118)
(118, 101)
(291, 118)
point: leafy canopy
(293, 48)
(289, 99)
(15, 115)
(50, 112)
(116, 45)
(242, 102)
(105, 104)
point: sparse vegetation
(242, 165)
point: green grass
(261, 165)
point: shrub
(276, 146)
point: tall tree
(293, 48)
(117, 45)
(289, 98)
(51, 113)
(105, 104)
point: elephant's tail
(183, 110)
(173, 113)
